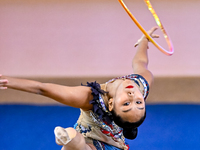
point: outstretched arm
(140, 60)
(78, 96)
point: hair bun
(130, 133)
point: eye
(138, 102)
(129, 93)
(126, 104)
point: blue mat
(167, 127)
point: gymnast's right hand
(3, 83)
(151, 33)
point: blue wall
(167, 127)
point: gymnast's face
(128, 101)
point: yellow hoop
(169, 43)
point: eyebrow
(141, 108)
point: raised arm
(140, 60)
(78, 96)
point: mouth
(130, 87)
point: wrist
(144, 38)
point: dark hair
(129, 128)
(125, 124)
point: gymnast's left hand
(3, 83)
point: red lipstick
(130, 87)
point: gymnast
(110, 112)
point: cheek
(117, 104)
(116, 107)
(139, 114)
(120, 98)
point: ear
(110, 104)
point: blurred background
(71, 42)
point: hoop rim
(166, 36)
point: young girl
(110, 112)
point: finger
(152, 30)
(3, 88)
(155, 36)
(136, 44)
(3, 81)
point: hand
(150, 32)
(3, 83)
